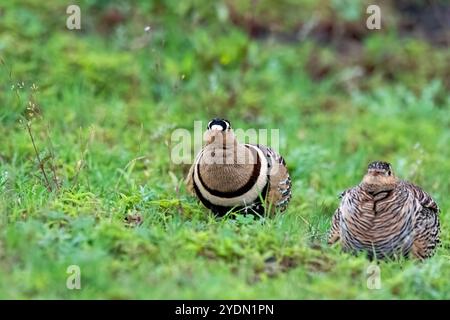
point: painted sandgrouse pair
(383, 215)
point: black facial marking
(225, 124)
(380, 165)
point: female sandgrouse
(230, 176)
(386, 217)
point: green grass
(108, 100)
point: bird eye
(389, 172)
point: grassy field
(100, 105)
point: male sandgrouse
(386, 217)
(230, 176)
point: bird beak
(374, 172)
(213, 135)
(210, 138)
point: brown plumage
(227, 175)
(386, 217)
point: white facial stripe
(245, 199)
(216, 127)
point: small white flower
(147, 28)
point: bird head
(219, 132)
(380, 176)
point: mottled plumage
(227, 175)
(386, 217)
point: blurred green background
(100, 105)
